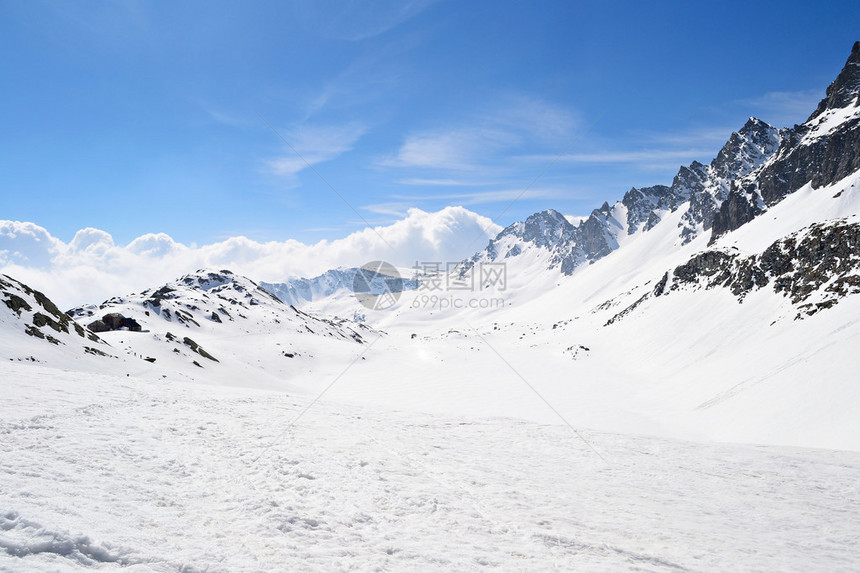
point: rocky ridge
(33, 314)
(813, 268)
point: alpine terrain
(669, 383)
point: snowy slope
(113, 473)
(683, 364)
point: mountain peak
(755, 125)
(548, 215)
(845, 88)
(545, 227)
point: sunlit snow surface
(110, 472)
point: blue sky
(143, 117)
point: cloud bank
(92, 268)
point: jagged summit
(823, 150)
(757, 166)
(845, 88)
(699, 189)
(544, 228)
(746, 149)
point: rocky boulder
(114, 321)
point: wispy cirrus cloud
(399, 205)
(316, 144)
(784, 108)
(455, 149)
(628, 157)
(357, 21)
(644, 150)
(484, 142)
(429, 182)
(533, 118)
(490, 196)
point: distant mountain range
(301, 290)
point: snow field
(113, 472)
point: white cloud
(154, 245)
(92, 242)
(92, 268)
(26, 243)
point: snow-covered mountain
(206, 300)
(221, 323)
(697, 191)
(757, 167)
(32, 328)
(815, 268)
(298, 291)
(823, 150)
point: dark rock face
(20, 298)
(548, 230)
(131, 324)
(744, 152)
(797, 266)
(738, 209)
(843, 91)
(98, 326)
(812, 153)
(819, 162)
(164, 293)
(641, 204)
(594, 238)
(544, 229)
(198, 349)
(814, 268)
(16, 303)
(114, 321)
(570, 245)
